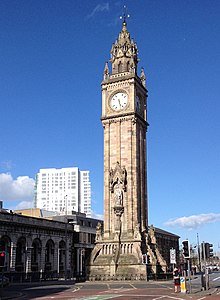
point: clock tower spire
(122, 242)
(124, 52)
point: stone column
(78, 257)
(42, 260)
(68, 260)
(12, 257)
(28, 260)
(56, 257)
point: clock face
(138, 104)
(119, 101)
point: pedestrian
(176, 278)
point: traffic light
(211, 250)
(186, 249)
(2, 258)
(208, 250)
(202, 252)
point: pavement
(6, 294)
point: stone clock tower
(122, 242)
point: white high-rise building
(63, 190)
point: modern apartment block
(63, 190)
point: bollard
(183, 284)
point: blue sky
(52, 57)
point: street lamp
(65, 264)
(199, 253)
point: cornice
(123, 77)
(134, 117)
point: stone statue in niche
(118, 176)
(98, 236)
(137, 234)
(118, 195)
(152, 235)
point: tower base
(113, 261)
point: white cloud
(24, 205)
(194, 221)
(7, 165)
(21, 188)
(97, 216)
(99, 8)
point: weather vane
(125, 14)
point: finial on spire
(106, 71)
(143, 77)
(124, 51)
(125, 15)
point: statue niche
(118, 176)
(118, 196)
(118, 186)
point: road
(115, 290)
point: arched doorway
(5, 245)
(49, 256)
(61, 258)
(20, 255)
(35, 255)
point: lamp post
(82, 253)
(199, 253)
(65, 263)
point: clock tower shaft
(125, 147)
(122, 242)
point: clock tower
(121, 244)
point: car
(4, 281)
(215, 268)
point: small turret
(143, 77)
(106, 71)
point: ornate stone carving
(98, 236)
(118, 196)
(152, 235)
(124, 53)
(118, 176)
(143, 77)
(137, 234)
(117, 85)
(106, 72)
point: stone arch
(20, 254)
(36, 250)
(49, 255)
(5, 245)
(61, 256)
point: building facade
(84, 240)
(35, 246)
(63, 190)
(38, 248)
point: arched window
(128, 66)
(35, 254)
(20, 255)
(120, 67)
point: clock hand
(119, 102)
